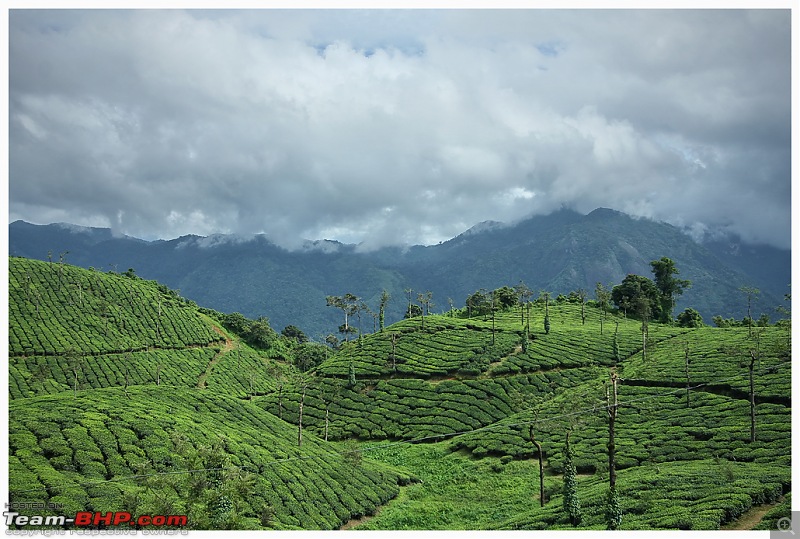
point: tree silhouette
(668, 286)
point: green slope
(119, 388)
(449, 402)
(90, 453)
(55, 307)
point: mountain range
(559, 252)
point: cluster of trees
(720, 322)
(291, 344)
(651, 299)
(352, 305)
(636, 296)
(257, 333)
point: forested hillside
(560, 252)
(514, 412)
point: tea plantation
(106, 414)
(125, 396)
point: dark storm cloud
(389, 127)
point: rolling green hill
(124, 396)
(90, 453)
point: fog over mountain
(398, 127)
(559, 252)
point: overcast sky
(398, 127)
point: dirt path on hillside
(751, 518)
(352, 523)
(227, 347)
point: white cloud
(312, 123)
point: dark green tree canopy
(478, 303)
(309, 355)
(260, 334)
(668, 285)
(293, 332)
(636, 292)
(505, 297)
(690, 318)
(413, 310)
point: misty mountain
(559, 252)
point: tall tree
(572, 504)
(546, 296)
(361, 307)
(626, 295)
(613, 511)
(643, 311)
(603, 296)
(524, 294)
(582, 294)
(540, 454)
(750, 366)
(277, 372)
(751, 294)
(426, 303)
(348, 304)
(668, 285)
(328, 392)
(393, 338)
(385, 297)
(493, 303)
(302, 382)
(686, 361)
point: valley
(124, 395)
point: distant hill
(559, 252)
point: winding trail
(752, 517)
(227, 347)
(352, 523)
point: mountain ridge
(559, 252)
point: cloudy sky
(398, 126)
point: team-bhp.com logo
(85, 519)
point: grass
(445, 411)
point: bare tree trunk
(541, 465)
(612, 417)
(688, 380)
(752, 399)
(327, 409)
(300, 419)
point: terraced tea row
(31, 376)
(653, 425)
(694, 495)
(447, 345)
(721, 354)
(106, 452)
(55, 308)
(413, 408)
